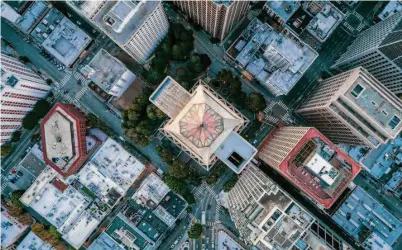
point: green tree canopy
(5, 149)
(30, 121)
(41, 108)
(176, 185)
(195, 231)
(230, 183)
(255, 102)
(15, 198)
(178, 170)
(16, 136)
(154, 113)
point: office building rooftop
(87, 8)
(31, 16)
(276, 60)
(109, 73)
(391, 8)
(325, 22)
(11, 229)
(284, 9)
(105, 242)
(33, 242)
(116, 164)
(153, 189)
(121, 19)
(311, 162)
(202, 122)
(360, 213)
(60, 37)
(63, 138)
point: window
(384, 112)
(394, 122)
(374, 104)
(357, 90)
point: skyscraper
(216, 17)
(379, 50)
(354, 108)
(309, 161)
(21, 88)
(136, 26)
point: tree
(255, 102)
(230, 183)
(30, 121)
(49, 81)
(189, 197)
(214, 40)
(205, 60)
(24, 59)
(14, 211)
(5, 149)
(178, 170)
(164, 154)
(176, 185)
(15, 198)
(53, 231)
(16, 136)
(154, 113)
(38, 228)
(25, 219)
(137, 138)
(195, 231)
(195, 64)
(41, 108)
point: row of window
(18, 104)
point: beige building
(216, 17)
(379, 50)
(136, 26)
(354, 108)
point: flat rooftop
(87, 8)
(391, 8)
(105, 242)
(61, 37)
(121, 19)
(124, 233)
(33, 242)
(361, 211)
(113, 161)
(227, 242)
(11, 229)
(325, 22)
(31, 16)
(81, 229)
(276, 60)
(284, 9)
(173, 204)
(236, 152)
(109, 73)
(379, 160)
(152, 189)
(294, 167)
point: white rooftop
(81, 229)
(109, 73)
(152, 188)
(33, 242)
(113, 161)
(225, 242)
(11, 229)
(322, 168)
(283, 62)
(325, 22)
(66, 42)
(61, 138)
(391, 8)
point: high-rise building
(203, 125)
(268, 218)
(310, 161)
(216, 17)
(136, 26)
(21, 88)
(379, 50)
(65, 144)
(354, 108)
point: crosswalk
(217, 210)
(202, 190)
(3, 183)
(81, 93)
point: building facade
(136, 26)
(216, 17)
(268, 218)
(21, 88)
(309, 161)
(378, 49)
(354, 108)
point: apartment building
(379, 50)
(136, 26)
(21, 88)
(354, 108)
(216, 17)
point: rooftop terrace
(121, 19)
(325, 22)
(152, 189)
(360, 211)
